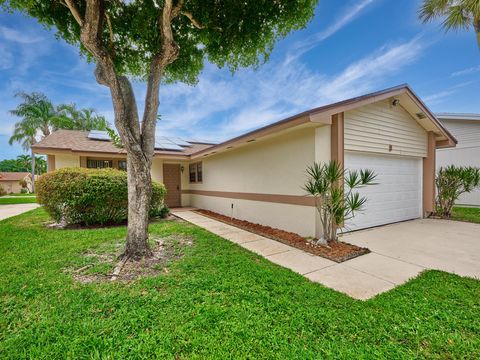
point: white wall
(372, 128)
(466, 153)
(294, 218)
(157, 169)
(66, 160)
(273, 166)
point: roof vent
(420, 116)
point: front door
(171, 179)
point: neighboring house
(10, 181)
(259, 176)
(466, 128)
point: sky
(348, 49)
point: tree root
(118, 268)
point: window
(195, 172)
(199, 172)
(122, 165)
(99, 164)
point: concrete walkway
(362, 277)
(354, 282)
(7, 211)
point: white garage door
(398, 195)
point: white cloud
(6, 59)
(437, 97)
(440, 96)
(467, 71)
(359, 76)
(22, 37)
(279, 89)
(351, 12)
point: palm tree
(40, 165)
(24, 161)
(36, 110)
(37, 114)
(80, 119)
(457, 14)
(40, 117)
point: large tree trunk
(137, 137)
(139, 194)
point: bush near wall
(91, 196)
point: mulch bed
(337, 251)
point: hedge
(91, 196)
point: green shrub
(2, 191)
(90, 196)
(453, 181)
(164, 211)
(23, 191)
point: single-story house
(259, 176)
(466, 129)
(11, 181)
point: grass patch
(217, 301)
(20, 194)
(469, 214)
(17, 200)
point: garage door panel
(398, 194)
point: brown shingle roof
(13, 176)
(78, 141)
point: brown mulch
(337, 251)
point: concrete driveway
(7, 211)
(399, 253)
(445, 245)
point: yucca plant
(336, 200)
(453, 181)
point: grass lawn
(18, 200)
(469, 214)
(218, 301)
(20, 194)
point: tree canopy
(228, 33)
(161, 40)
(40, 116)
(23, 163)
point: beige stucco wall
(157, 169)
(374, 127)
(11, 187)
(273, 166)
(66, 160)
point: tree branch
(110, 30)
(194, 21)
(167, 54)
(75, 12)
(126, 113)
(176, 9)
